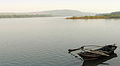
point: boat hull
(109, 50)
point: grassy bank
(94, 17)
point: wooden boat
(93, 54)
(99, 61)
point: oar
(98, 52)
(71, 50)
(81, 48)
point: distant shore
(94, 17)
(23, 16)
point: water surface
(44, 41)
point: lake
(44, 41)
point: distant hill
(117, 13)
(112, 15)
(51, 13)
(67, 13)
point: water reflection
(99, 61)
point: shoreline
(94, 17)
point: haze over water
(44, 41)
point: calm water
(44, 41)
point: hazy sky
(41, 5)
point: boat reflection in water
(99, 61)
